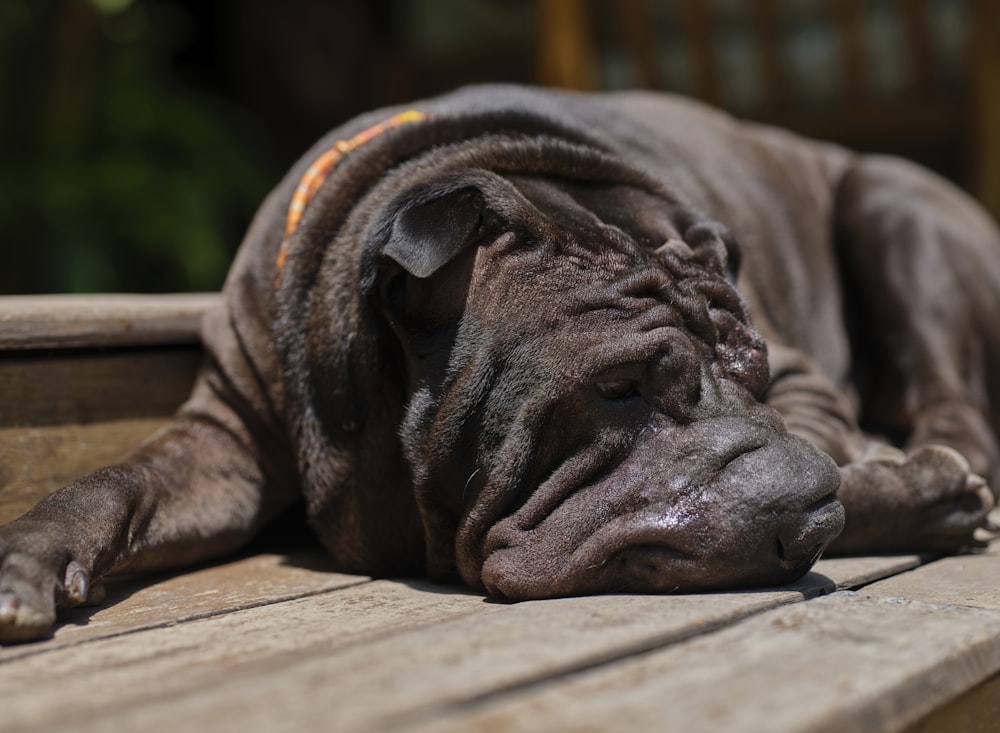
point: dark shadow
(444, 589)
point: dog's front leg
(194, 491)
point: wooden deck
(274, 640)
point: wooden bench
(276, 640)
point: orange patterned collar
(321, 167)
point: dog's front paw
(928, 500)
(36, 577)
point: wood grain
(976, 711)
(253, 648)
(357, 657)
(72, 387)
(168, 600)
(47, 321)
(968, 580)
(847, 663)
(854, 572)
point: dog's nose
(801, 540)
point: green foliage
(114, 174)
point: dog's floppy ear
(429, 233)
(426, 255)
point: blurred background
(137, 137)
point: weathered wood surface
(843, 663)
(963, 580)
(976, 711)
(275, 643)
(37, 322)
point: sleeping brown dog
(557, 344)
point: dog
(552, 343)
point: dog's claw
(79, 589)
(881, 453)
(31, 590)
(76, 584)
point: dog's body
(501, 340)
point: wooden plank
(88, 387)
(36, 322)
(848, 21)
(977, 711)
(984, 151)
(95, 684)
(362, 657)
(969, 580)
(641, 42)
(966, 580)
(918, 44)
(769, 43)
(847, 663)
(849, 573)
(565, 47)
(167, 600)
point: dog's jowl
(555, 344)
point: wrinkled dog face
(585, 409)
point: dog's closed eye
(617, 389)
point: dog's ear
(429, 233)
(424, 265)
